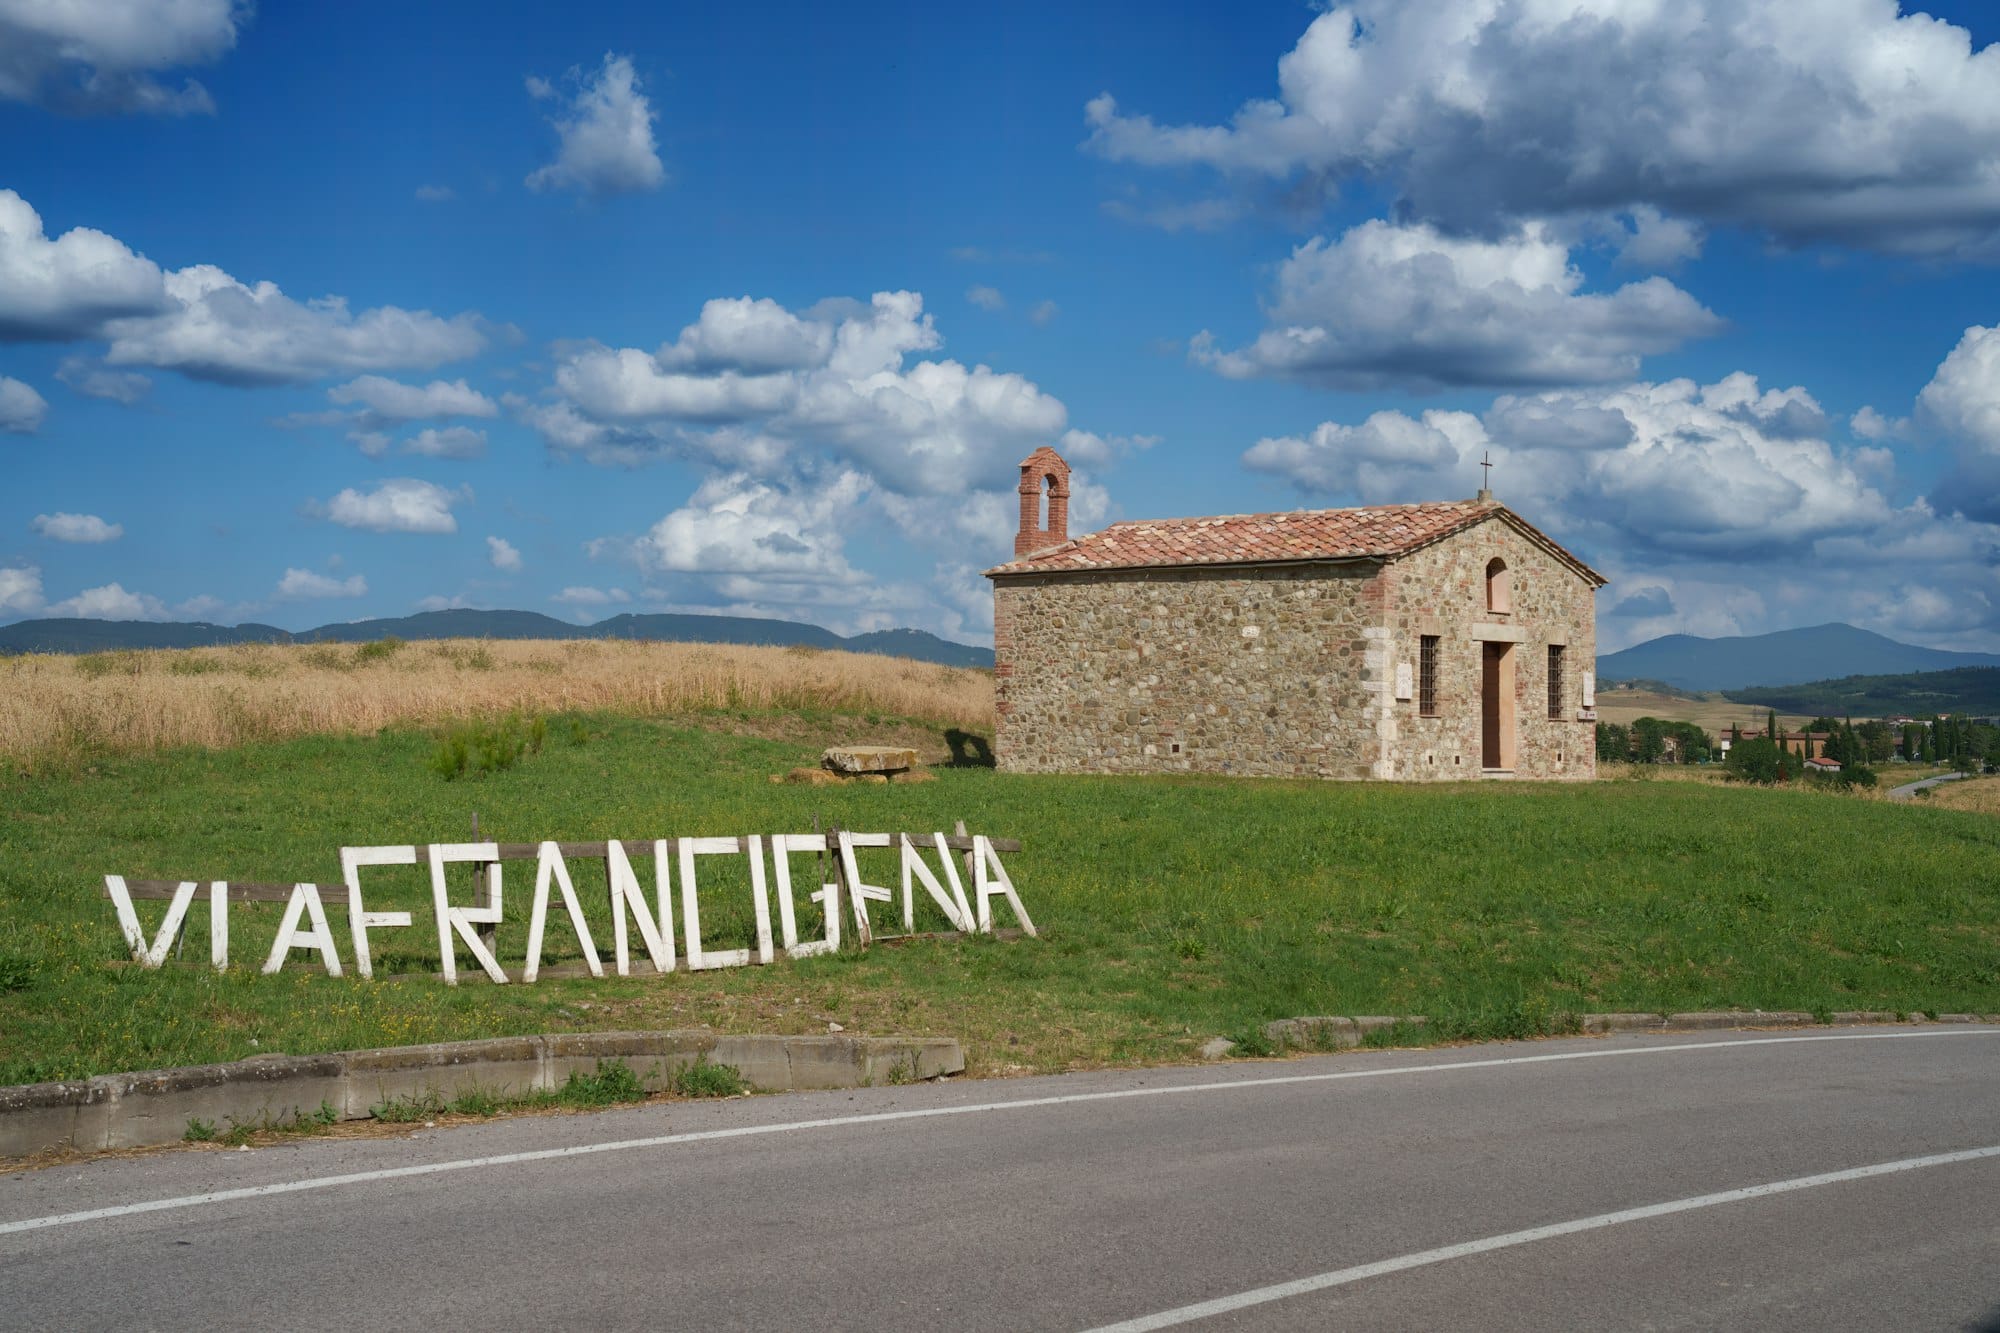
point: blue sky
(316, 313)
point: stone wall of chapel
(1290, 671)
(1441, 590)
(1273, 672)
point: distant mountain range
(91, 636)
(1785, 657)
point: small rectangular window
(1555, 680)
(1427, 675)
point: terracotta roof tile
(1374, 531)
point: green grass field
(1171, 910)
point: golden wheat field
(56, 706)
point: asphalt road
(1909, 789)
(1494, 1187)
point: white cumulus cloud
(735, 524)
(749, 336)
(21, 408)
(199, 321)
(1410, 307)
(1717, 508)
(1962, 403)
(67, 288)
(402, 504)
(607, 135)
(229, 332)
(93, 379)
(111, 602)
(628, 383)
(1841, 120)
(503, 555)
(1869, 424)
(751, 384)
(20, 589)
(1708, 470)
(385, 400)
(77, 528)
(303, 584)
(447, 442)
(102, 56)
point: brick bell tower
(1042, 470)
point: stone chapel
(1423, 642)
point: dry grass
(1713, 715)
(54, 708)
(1717, 775)
(1981, 795)
(1611, 771)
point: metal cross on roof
(1486, 461)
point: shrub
(613, 1082)
(489, 746)
(92, 666)
(448, 761)
(192, 666)
(702, 1079)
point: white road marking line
(1342, 1277)
(921, 1113)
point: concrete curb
(154, 1106)
(1326, 1033)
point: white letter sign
(305, 899)
(962, 885)
(461, 920)
(656, 923)
(358, 920)
(828, 896)
(549, 866)
(955, 909)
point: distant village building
(1823, 765)
(1806, 744)
(1417, 642)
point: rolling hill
(92, 636)
(1784, 657)
(1974, 691)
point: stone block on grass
(808, 777)
(869, 758)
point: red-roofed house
(1412, 642)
